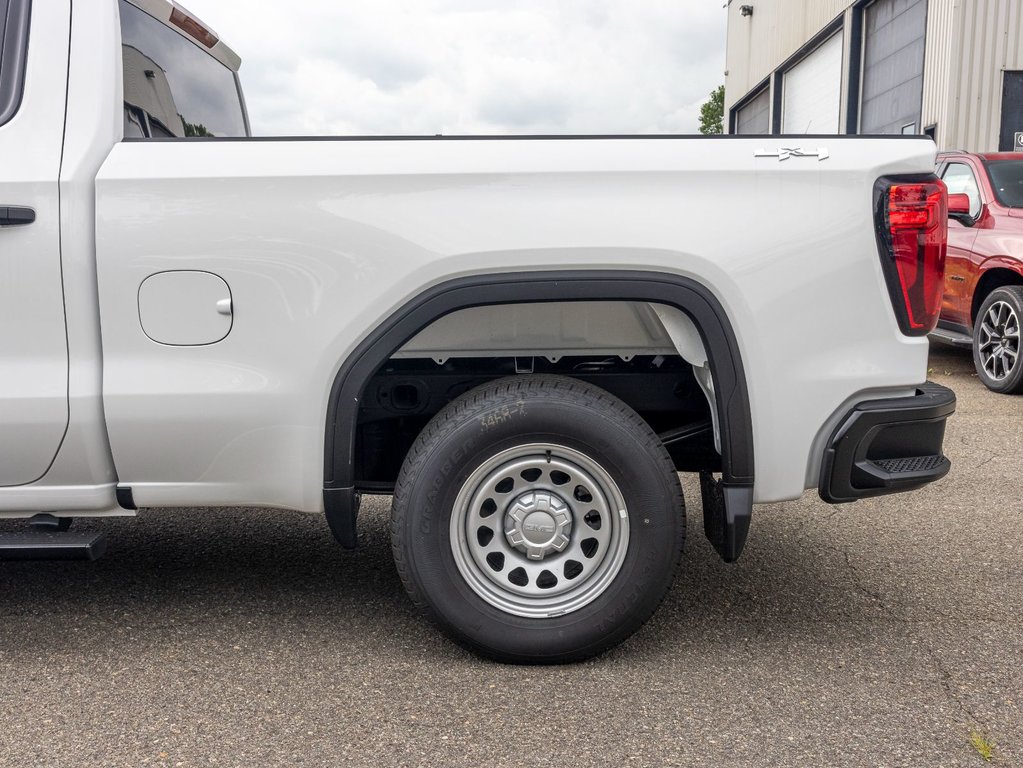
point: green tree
(712, 112)
(193, 130)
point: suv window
(1007, 179)
(172, 87)
(959, 179)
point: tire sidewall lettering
(653, 498)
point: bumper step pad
(887, 446)
(913, 464)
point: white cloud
(473, 66)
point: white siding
(758, 44)
(987, 40)
(969, 44)
(943, 18)
(146, 87)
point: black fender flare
(682, 293)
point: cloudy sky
(473, 66)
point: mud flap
(727, 512)
(342, 510)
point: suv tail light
(911, 216)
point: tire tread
(477, 401)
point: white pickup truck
(523, 339)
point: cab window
(4, 8)
(959, 179)
(172, 87)
(14, 19)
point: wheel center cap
(538, 523)
(539, 528)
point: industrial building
(951, 69)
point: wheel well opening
(661, 388)
(632, 350)
(990, 281)
(386, 390)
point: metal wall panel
(943, 19)
(758, 44)
(988, 41)
(755, 117)
(893, 66)
(969, 44)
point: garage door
(813, 89)
(755, 117)
(893, 66)
(1012, 113)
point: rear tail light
(912, 231)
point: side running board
(52, 545)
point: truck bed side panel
(321, 240)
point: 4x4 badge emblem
(786, 152)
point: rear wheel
(996, 340)
(538, 519)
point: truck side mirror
(959, 209)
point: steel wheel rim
(998, 341)
(556, 541)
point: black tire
(996, 340)
(516, 415)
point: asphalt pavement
(884, 633)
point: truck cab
(176, 79)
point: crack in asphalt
(991, 456)
(858, 581)
(945, 682)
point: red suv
(983, 302)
